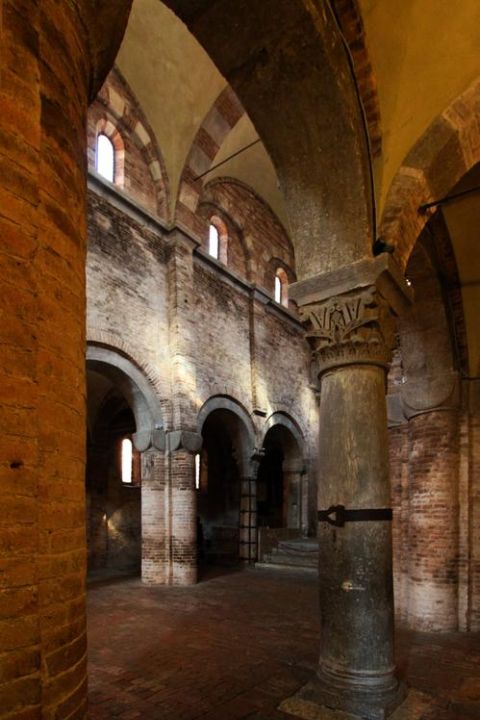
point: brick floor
(237, 644)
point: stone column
(431, 405)
(349, 318)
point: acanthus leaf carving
(357, 327)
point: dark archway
(122, 410)
(279, 489)
(223, 472)
(113, 498)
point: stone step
(292, 568)
(300, 552)
(297, 560)
(303, 545)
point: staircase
(299, 553)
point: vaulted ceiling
(424, 53)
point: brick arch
(438, 160)
(230, 404)
(284, 410)
(134, 386)
(126, 116)
(350, 19)
(222, 117)
(285, 420)
(102, 338)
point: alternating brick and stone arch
(224, 114)
(140, 169)
(438, 160)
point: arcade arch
(225, 508)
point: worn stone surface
(256, 643)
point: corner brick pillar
(182, 442)
(349, 319)
(47, 70)
(155, 561)
(432, 408)
(182, 507)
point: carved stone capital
(354, 328)
(349, 314)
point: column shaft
(349, 317)
(355, 572)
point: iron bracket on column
(338, 515)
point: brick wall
(202, 331)
(471, 508)
(398, 448)
(222, 337)
(127, 288)
(433, 522)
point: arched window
(278, 289)
(217, 239)
(127, 461)
(213, 241)
(105, 157)
(281, 287)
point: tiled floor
(237, 644)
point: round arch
(223, 402)
(280, 418)
(135, 387)
(448, 149)
(220, 402)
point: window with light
(278, 289)
(197, 471)
(213, 242)
(127, 461)
(105, 158)
(280, 293)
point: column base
(317, 701)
